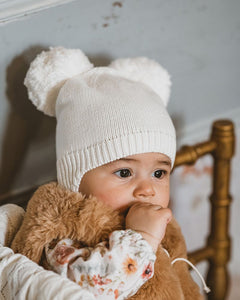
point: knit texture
(112, 118)
(11, 216)
(104, 113)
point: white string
(165, 250)
(205, 287)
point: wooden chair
(218, 244)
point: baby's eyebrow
(127, 159)
(161, 161)
(164, 162)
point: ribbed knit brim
(72, 166)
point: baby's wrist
(153, 242)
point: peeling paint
(196, 171)
(112, 16)
(117, 3)
(196, 202)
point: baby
(116, 146)
(140, 182)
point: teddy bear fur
(54, 213)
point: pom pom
(49, 71)
(146, 71)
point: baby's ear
(49, 71)
(147, 71)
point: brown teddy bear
(54, 213)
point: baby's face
(141, 177)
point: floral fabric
(114, 270)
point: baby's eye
(123, 173)
(159, 173)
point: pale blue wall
(197, 41)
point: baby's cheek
(106, 197)
(114, 199)
(163, 199)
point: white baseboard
(16, 9)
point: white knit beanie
(103, 113)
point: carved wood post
(219, 239)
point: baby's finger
(165, 214)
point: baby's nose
(144, 189)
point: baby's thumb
(165, 216)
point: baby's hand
(150, 220)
